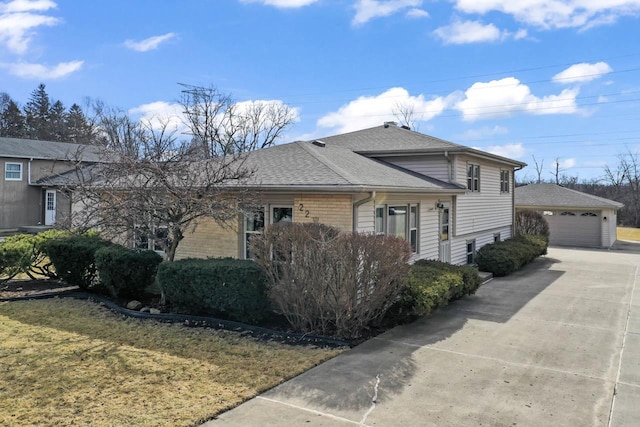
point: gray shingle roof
(303, 164)
(47, 150)
(393, 139)
(552, 195)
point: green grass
(629, 233)
(68, 362)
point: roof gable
(47, 150)
(552, 195)
(390, 139)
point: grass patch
(68, 362)
(629, 233)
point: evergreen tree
(12, 121)
(79, 130)
(57, 123)
(37, 113)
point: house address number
(302, 209)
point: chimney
(387, 124)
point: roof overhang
(440, 151)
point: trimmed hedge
(434, 284)
(228, 288)
(508, 256)
(15, 257)
(126, 272)
(74, 258)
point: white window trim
(471, 180)
(6, 164)
(505, 181)
(473, 251)
(253, 232)
(408, 228)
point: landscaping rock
(145, 309)
(154, 311)
(134, 305)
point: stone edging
(197, 321)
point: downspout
(29, 171)
(359, 203)
(449, 165)
(513, 201)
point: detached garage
(575, 218)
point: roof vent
(387, 124)
(405, 127)
(319, 143)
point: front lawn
(629, 233)
(68, 362)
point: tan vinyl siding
(486, 209)
(330, 209)
(433, 166)
(210, 239)
(609, 229)
(429, 229)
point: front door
(445, 234)
(50, 207)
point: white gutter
(29, 171)
(513, 200)
(359, 203)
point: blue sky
(554, 79)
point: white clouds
(550, 14)
(283, 4)
(19, 18)
(417, 13)
(42, 72)
(26, 6)
(369, 111)
(581, 73)
(462, 32)
(370, 9)
(161, 113)
(512, 151)
(565, 164)
(148, 44)
(501, 98)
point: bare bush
(531, 222)
(328, 282)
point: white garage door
(574, 228)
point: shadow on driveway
(345, 385)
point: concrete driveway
(557, 344)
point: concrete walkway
(557, 344)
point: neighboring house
(25, 197)
(575, 218)
(445, 199)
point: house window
(281, 214)
(156, 239)
(13, 171)
(400, 221)
(413, 228)
(568, 214)
(504, 181)
(591, 214)
(473, 177)
(253, 226)
(496, 238)
(547, 213)
(471, 251)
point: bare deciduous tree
(539, 168)
(405, 114)
(153, 187)
(625, 179)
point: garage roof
(552, 195)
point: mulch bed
(25, 288)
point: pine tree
(57, 122)
(37, 113)
(79, 130)
(12, 121)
